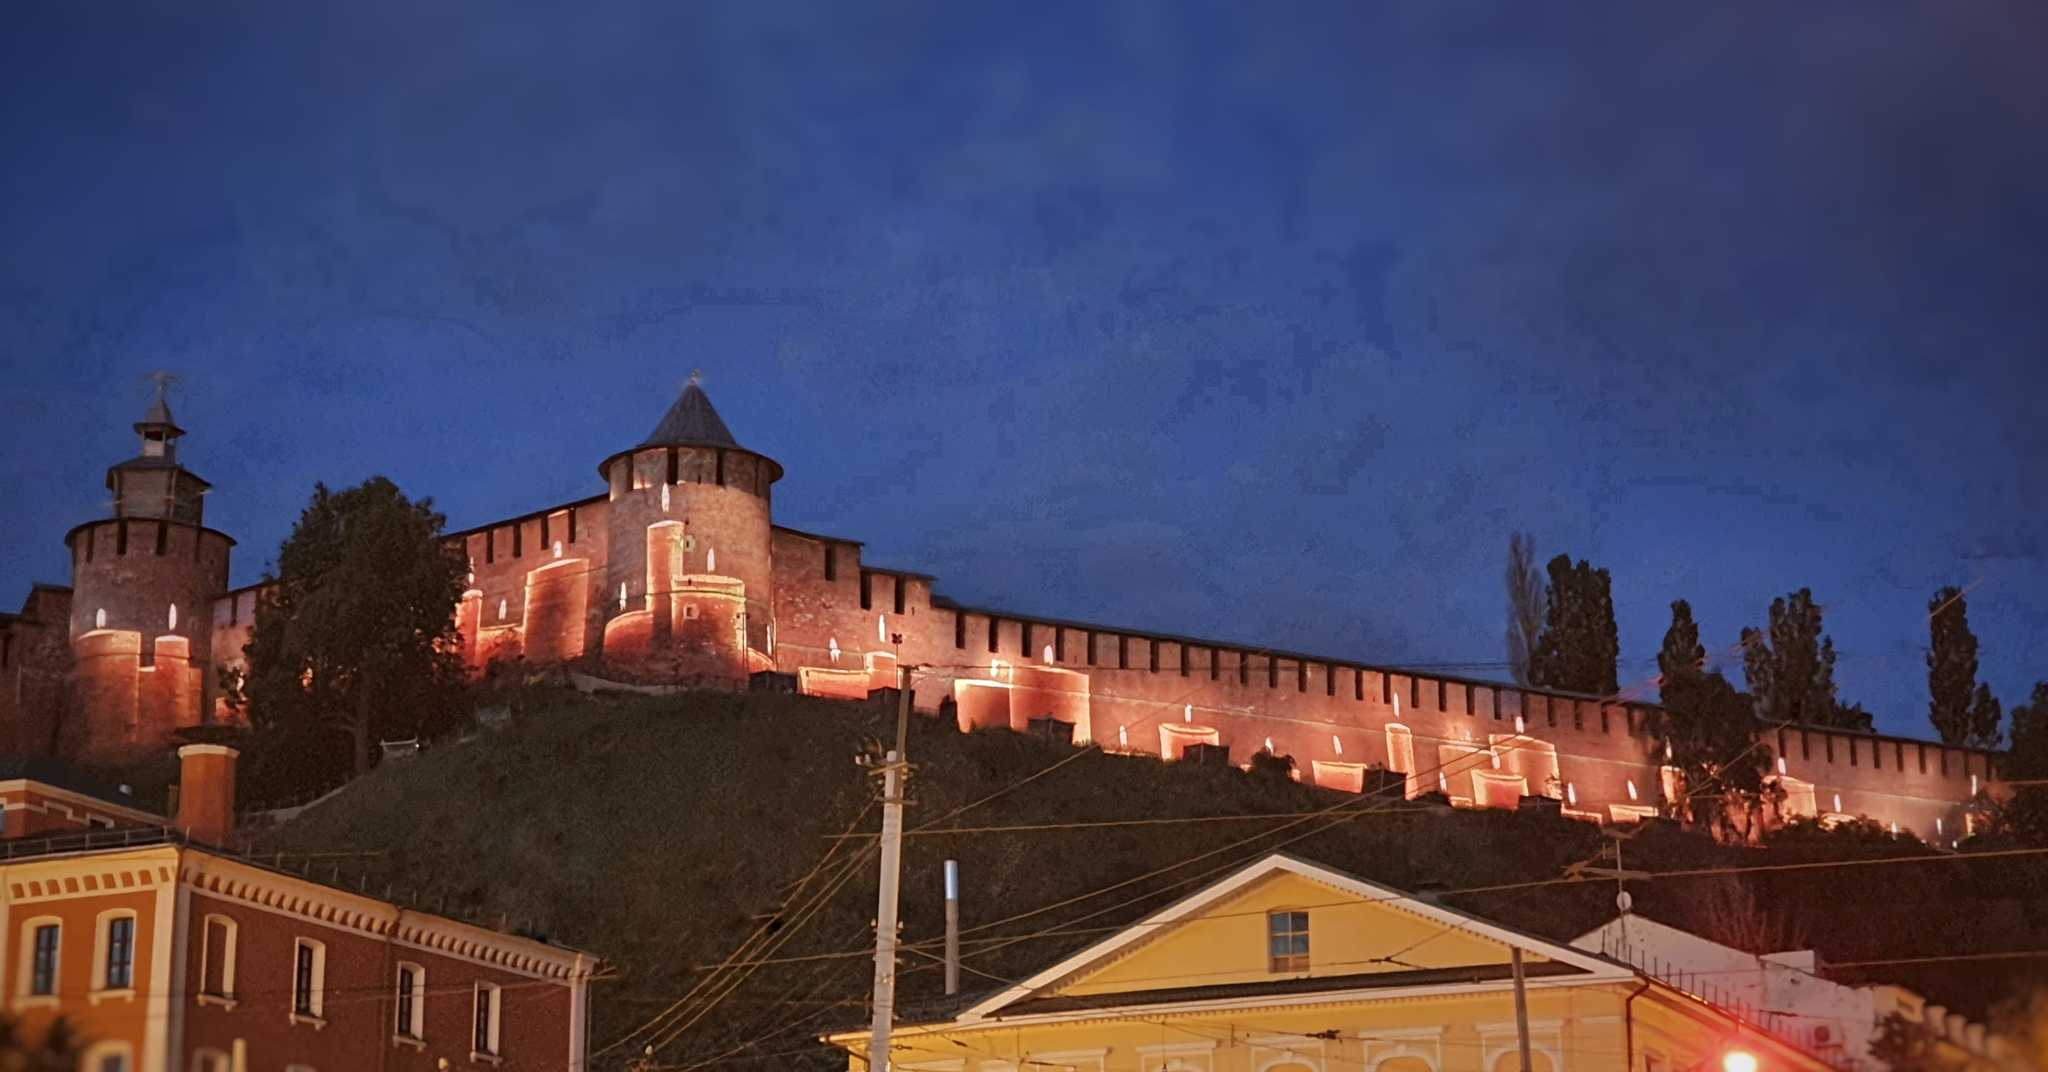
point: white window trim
(413, 1034)
(497, 1051)
(98, 1052)
(25, 965)
(226, 997)
(102, 927)
(319, 996)
(207, 1060)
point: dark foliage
(1580, 648)
(1791, 668)
(355, 639)
(1962, 711)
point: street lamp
(1738, 1061)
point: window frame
(226, 995)
(409, 1005)
(103, 984)
(313, 1008)
(487, 1017)
(27, 967)
(205, 1059)
(1280, 925)
(96, 1056)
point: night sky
(1266, 322)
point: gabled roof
(1025, 998)
(690, 421)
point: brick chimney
(206, 793)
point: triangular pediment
(1219, 943)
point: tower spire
(158, 430)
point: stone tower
(143, 585)
(689, 584)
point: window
(204, 1060)
(217, 960)
(1287, 941)
(108, 1057)
(867, 591)
(485, 1038)
(412, 1002)
(43, 970)
(309, 969)
(831, 562)
(117, 957)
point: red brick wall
(1313, 710)
(360, 1010)
(134, 690)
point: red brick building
(166, 954)
(677, 573)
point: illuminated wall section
(557, 602)
(1016, 693)
(107, 663)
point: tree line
(1561, 634)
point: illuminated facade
(1290, 966)
(677, 574)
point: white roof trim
(1276, 863)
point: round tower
(143, 585)
(689, 585)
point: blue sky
(1266, 322)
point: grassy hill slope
(660, 833)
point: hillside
(660, 833)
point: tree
(1580, 648)
(1525, 604)
(354, 637)
(2025, 814)
(56, 1051)
(1682, 652)
(1963, 712)
(1791, 669)
(1712, 733)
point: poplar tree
(1580, 649)
(1956, 704)
(1790, 668)
(1712, 733)
(1525, 604)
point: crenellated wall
(1482, 744)
(676, 574)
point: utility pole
(1521, 1006)
(893, 769)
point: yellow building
(1289, 966)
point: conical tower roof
(691, 421)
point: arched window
(37, 972)
(113, 958)
(411, 1021)
(108, 1057)
(217, 962)
(309, 981)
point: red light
(1738, 1061)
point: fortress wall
(1892, 779)
(1153, 694)
(508, 558)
